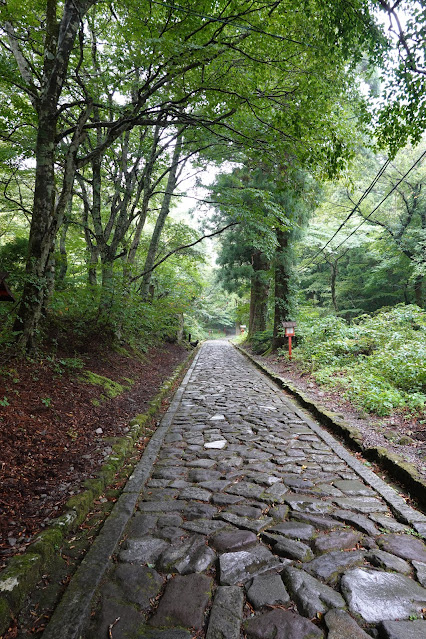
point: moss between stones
(23, 572)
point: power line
(353, 211)
(226, 21)
(373, 211)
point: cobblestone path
(255, 522)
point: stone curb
(23, 572)
(397, 467)
(72, 612)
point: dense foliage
(378, 362)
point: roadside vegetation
(378, 362)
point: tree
(171, 68)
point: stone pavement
(254, 522)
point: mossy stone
(19, 577)
(5, 616)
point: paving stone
(226, 613)
(405, 546)
(388, 523)
(311, 596)
(275, 493)
(341, 626)
(218, 444)
(361, 504)
(293, 549)
(151, 633)
(223, 499)
(142, 551)
(293, 529)
(278, 513)
(196, 510)
(215, 485)
(140, 525)
(243, 510)
(191, 555)
(184, 602)
(360, 522)
(192, 492)
(322, 522)
(174, 505)
(308, 505)
(415, 629)
(139, 584)
(354, 488)
(267, 590)
(339, 540)
(171, 533)
(245, 489)
(239, 567)
(204, 526)
(281, 624)
(173, 519)
(202, 463)
(198, 475)
(233, 540)
(256, 525)
(330, 565)
(130, 623)
(420, 572)
(379, 596)
(386, 560)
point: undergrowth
(378, 362)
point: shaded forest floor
(56, 426)
(400, 433)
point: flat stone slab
(341, 626)
(193, 492)
(218, 444)
(281, 624)
(293, 549)
(341, 540)
(379, 596)
(245, 489)
(204, 526)
(361, 504)
(143, 551)
(405, 546)
(172, 505)
(353, 488)
(191, 555)
(388, 561)
(415, 629)
(139, 584)
(184, 602)
(226, 613)
(330, 565)
(359, 521)
(308, 505)
(420, 567)
(239, 567)
(233, 541)
(311, 596)
(294, 530)
(255, 525)
(267, 590)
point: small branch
(181, 248)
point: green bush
(379, 362)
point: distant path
(252, 519)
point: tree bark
(259, 292)
(161, 220)
(283, 294)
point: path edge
(22, 572)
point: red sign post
(289, 328)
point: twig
(111, 626)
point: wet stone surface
(254, 523)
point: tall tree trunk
(259, 292)
(161, 219)
(283, 293)
(418, 290)
(46, 217)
